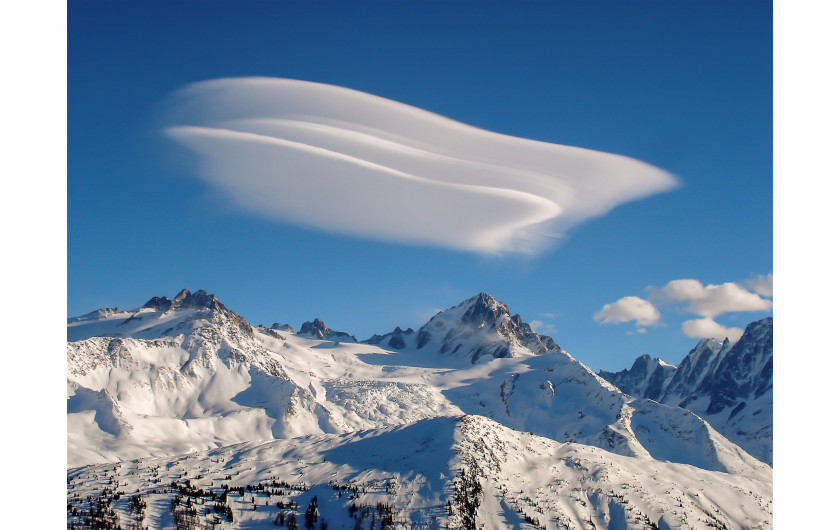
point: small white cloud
(707, 328)
(548, 315)
(348, 162)
(628, 309)
(637, 331)
(710, 300)
(762, 285)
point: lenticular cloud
(345, 161)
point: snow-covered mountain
(189, 376)
(730, 385)
(476, 328)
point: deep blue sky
(686, 86)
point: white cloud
(706, 328)
(344, 161)
(710, 300)
(762, 285)
(549, 315)
(687, 295)
(628, 309)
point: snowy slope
(190, 376)
(729, 385)
(413, 474)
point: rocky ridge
(728, 384)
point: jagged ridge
(729, 385)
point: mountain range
(730, 385)
(472, 420)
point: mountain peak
(647, 377)
(641, 362)
(161, 316)
(185, 299)
(182, 295)
(483, 309)
(314, 327)
(483, 327)
(318, 330)
(277, 326)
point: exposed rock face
(318, 330)
(483, 309)
(698, 364)
(745, 372)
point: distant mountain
(646, 378)
(729, 385)
(184, 379)
(396, 339)
(282, 327)
(318, 330)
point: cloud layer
(345, 161)
(691, 296)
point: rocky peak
(185, 299)
(483, 309)
(182, 295)
(318, 330)
(200, 299)
(482, 326)
(158, 303)
(745, 370)
(641, 364)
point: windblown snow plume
(345, 161)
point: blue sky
(685, 86)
